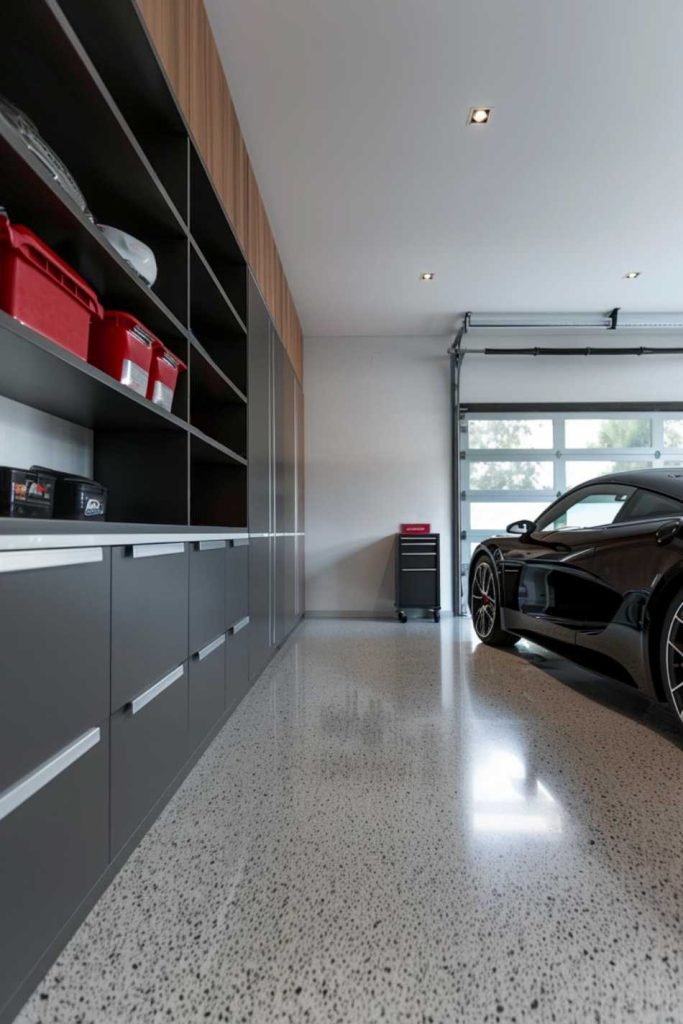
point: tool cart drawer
(207, 591)
(54, 845)
(237, 581)
(54, 655)
(149, 745)
(149, 616)
(237, 664)
(417, 588)
(207, 688)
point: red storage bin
(42, 291)
(122, 347)
(163, 377)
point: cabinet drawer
(148, 748)
(418, 588)
(418, 560)
(237, 664)
(207, 689)
(54, 654)
(207, 592)
(237, 581)
(53, 847)
(148, 617)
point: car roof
(663, 481)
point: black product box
(77, 497)
(26, 493)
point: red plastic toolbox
(416, 528)
(163, 377)
(42, 291)
(122, 347)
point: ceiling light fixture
(479, 115)
(428, 275)
(632, 275)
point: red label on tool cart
(416, 527)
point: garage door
(513, 465)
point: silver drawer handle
(152, 550)
(418, 554)
(16, 795)
(20, 561)
(418, 570)
(138, 703)
(210, 545)
(210, 648)
(241, 542)
(239, 625)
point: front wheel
(485, 606)
(671, 655)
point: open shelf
(214, 236)
(146, 474)
(209, 452)
(38, 372)
(138, 86)
(210, 308)
(110, 115)
(217, 409)
(32, 197)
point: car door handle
(665, 534)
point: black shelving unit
(115, 123)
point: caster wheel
(437, 616)
(402, 617)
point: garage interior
(420, 264)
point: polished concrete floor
(400, 825)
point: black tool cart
(418, 580)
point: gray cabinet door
(149, 745)
(207, 592)
(207, 689)
(259, 412)
(54, 652)
(149, 616)
(236, 581)
(53, 848)
(260, 649)
(237, 681)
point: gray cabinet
(54, 845)
(207, 591)
(237, 681)
(260, 595)
(54, 654)
(149, 745)
(236, 581)
(149, 616)
(207, 688)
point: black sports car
(598, 578)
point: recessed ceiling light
(632, 275)
(479, 115)
(428, 275)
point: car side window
(650, 505)
(587, 508)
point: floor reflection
(508, 798)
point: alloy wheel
(484, 601)
(674, 660)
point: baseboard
(369, 616)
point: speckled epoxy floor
(399, 825)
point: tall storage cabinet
(275, 468)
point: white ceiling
(354, 115)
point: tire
(671, 655)
(485, 606)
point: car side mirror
(522, 526)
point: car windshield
(589, 507)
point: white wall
(528, 379)
(29, 437)
(378, 450)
